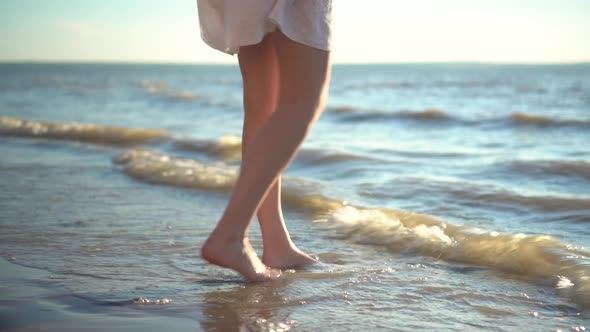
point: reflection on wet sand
(250, 307)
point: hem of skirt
(233, 50)
(303, 41)
(216, 47)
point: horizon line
(135, 62)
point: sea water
(436, 196)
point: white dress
(228, 24)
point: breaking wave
(228, 147)
(544, 121)
(153, 167)
(91, 133)
(538, 257)
(434, 115)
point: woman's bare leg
(279, 251)
(304, 76)
(260, 73)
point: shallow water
(437, 196)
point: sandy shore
(29, 302)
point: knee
(260, 98)
(299, 117)
(306, 95)
(306, 105)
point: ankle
(277, 239)
(224, 238)
(278, 248)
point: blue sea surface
(439, 196)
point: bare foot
(238, 256)
(285, 258)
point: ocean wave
(488, 194)
(434, 115)
(349, 113)
(157, 168)
(400, 231)
(568, 168)
(227, 147)
(527, 119)
(433, 84)
(377, 85)
(465, 83)
(314, 156)
(547, 203)
(431, 114)
(530, 89)
(161, 88)
(540, 256)
(91, 133)
(430, 153)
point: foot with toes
(286, 258)
(238, 256)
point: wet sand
(30, 300)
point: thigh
(304, 72)
(260, 74)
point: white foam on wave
(380, 229)
(144, 301)
(91, 133)
(538, 257)
(159, 168)
(563, 282)
(227, 147)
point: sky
(368, 31)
